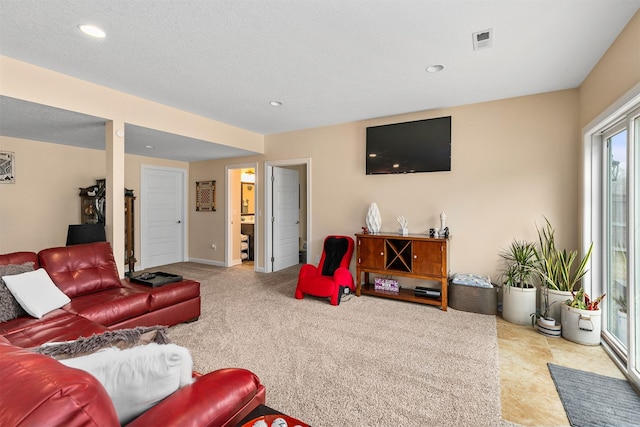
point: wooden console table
(414, 256)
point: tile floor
(528, 394)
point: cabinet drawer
(371, 253)
(428, 258)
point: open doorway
(241, 215)
(287, 227)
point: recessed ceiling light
(92, 31)
(373, 155)
(396, 165)
(435, 68)
(275, 103)
(149, 146)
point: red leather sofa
(38, 390)
(100, 300)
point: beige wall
(513, 161)
(206, 228)
(617, 71)
(36, 210)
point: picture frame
(205, 196)
(7, 167)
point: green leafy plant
(555, 267)
(519, 264)
(582, 301)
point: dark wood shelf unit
(414, 256)
(93, 211)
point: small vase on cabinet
(373, 219)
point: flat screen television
(410, 147)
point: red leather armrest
(342, 277)
(308, 270)
(219, 398)
(20, 258)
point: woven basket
(473, 298)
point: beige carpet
(367, 362)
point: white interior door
(285, 218)
(162, 217)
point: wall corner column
(114, 138)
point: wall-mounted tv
(410, 147)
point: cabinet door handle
(415, 257)
(381, 253)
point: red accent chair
(332, 275)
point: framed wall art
(7, 167)
(205, 196)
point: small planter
(558, 297)
(581, 326)
(518, 304)
(549, 328)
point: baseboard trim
(207, 261)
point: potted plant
(546, 324)
(519, 293)
(581, 318)
(559, 277)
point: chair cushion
(81, 269)
(56, 326)
(110, 306)
(335, 249)
(169, 294)
(320, 286)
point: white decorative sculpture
(373, 220)
(443, 219)
(404, 230)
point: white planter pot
(558, 297)
(518, 304)
(549, 327)
(581, 326)
(546, 322)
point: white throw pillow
(138, 378)
(36, 292)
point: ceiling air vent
(483, 39)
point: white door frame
(268, 207)
(143, 209)
(228, 214)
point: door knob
(178, 222)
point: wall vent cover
(483, 39)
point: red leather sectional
(37, 390)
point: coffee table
(264, 416)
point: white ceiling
(327, 61)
